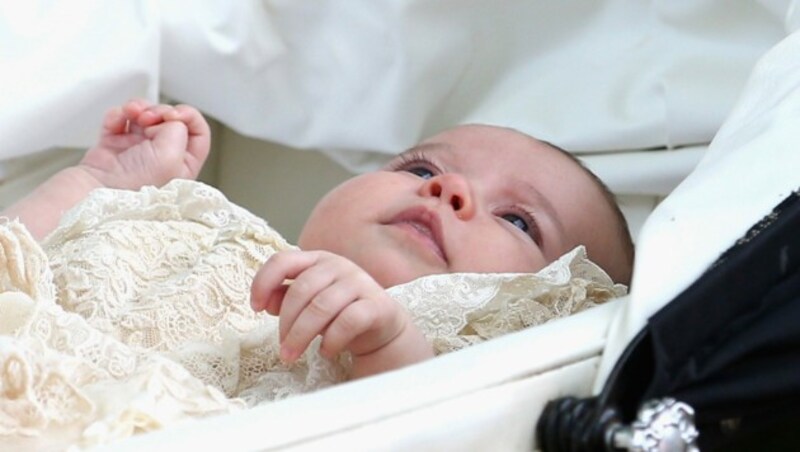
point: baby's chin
(395, 275)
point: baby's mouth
(425, 226)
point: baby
(470, 199)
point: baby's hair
(623, 231)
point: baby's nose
(452, 189)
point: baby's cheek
(512, 258)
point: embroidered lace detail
(458, 310)
(64, 382)
(136, 316)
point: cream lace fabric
(134, 315)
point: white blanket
(377, 76)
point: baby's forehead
(502, 144)
(481, 136)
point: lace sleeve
(168, 271)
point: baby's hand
(333, 297)
(143, 144)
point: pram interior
(489, 396)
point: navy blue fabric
(730, 344)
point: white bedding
(377, 76)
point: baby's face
(471, 199)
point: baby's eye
(517, 221)
(420, 171)
(525, 222)
(415, 162)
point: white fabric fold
(375, 77)
(66, 63)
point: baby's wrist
(41, 209)
(88, 177)
(83, 177)
(408, 347)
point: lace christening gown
(134, 315)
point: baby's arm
(141, 144)
(333, 297)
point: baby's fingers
(167, 138)
(322, 309)
(123, 119)
(274, 300)
(199, 133)
(190, 116)
(155, 114)
(354, 320)
(115, 122)
(272, 275)
(305, 288)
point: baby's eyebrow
(428, 147)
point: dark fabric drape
(729, 346)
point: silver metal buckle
(661, 425)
